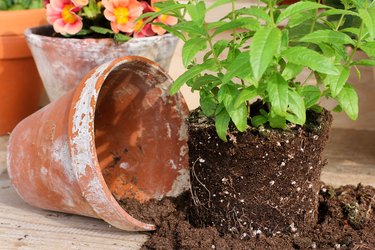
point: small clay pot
(117, 135)
(20, 84)
(63, 62)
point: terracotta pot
(20, 84)
(118, 134)
(63, 62)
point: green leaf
(368, 17)
(190, 73)
(276, 121)
(227, 95)
(84, 32)
(332, 12)
(120, 38)
(207, 103)
(299, 18)
(206, 81)
(291, 70)
(277, 89)
(171, 29)
(311, 95)
(327, 36)
(197, 12)
(298, 8)
(245, 95)
(191, 28)
(220, 46)
(165, 10)
(337, 82)
(240, 66)
(368, 48)
(364, 62)
(248, 23)
(310, 58)
(265, 43)
(348, 100)
(215, 25)
(258, 120)
(218, 3)
(101, 30)
(256, 12)
(191, 48)
(221, 124)
(297, 110)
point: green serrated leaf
(298, 8)
(197, 12)
(348, 100)
(171, 29)
(207, 103)
(337, 109)
(364, 62)
(205, 81)
(221, 124)
(255, 12)
(310, 58)
(191, 48)
(246, 22)
(297, 111)
(277, 89)
(220, 46)
(368, 17)
(191, 28)
(240, 66)
(245, 95)
(276, 121)
(218, 3)
(258, 120)
(332, 12)
(327, 36)
(311, 95)
(120, 38)
(190, 73)
(291, 70)
(265, 43)
(101, 30)
(299, 18)
(369, 48)
(337, 82)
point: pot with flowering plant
(256, 140)
(19, 93)
(87, 33)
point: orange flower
(122, 14)
(62, 14)
(165, 19)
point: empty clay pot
(118, 134)
(63, 62)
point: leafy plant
(20, 4)
(268, 47)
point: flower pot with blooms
(256, 141)
(19, 93)
(85, 34)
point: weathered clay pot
(118, 134)
(63, 62)
(20, 84)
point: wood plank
(25, 227)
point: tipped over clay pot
(117, 135)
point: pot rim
(83, 151)
(33, 36)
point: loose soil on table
(346, 220)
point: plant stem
(356, 46)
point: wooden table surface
(25, 227)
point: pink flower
(165, 19)
(80, 3)
(122, 14)
(62, 15)
(146, 29)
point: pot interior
(138, 133)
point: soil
(260, 181)
(346, 221)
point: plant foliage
(268, 47)
(20, 4)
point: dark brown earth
(346, 221)
(262, 181)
